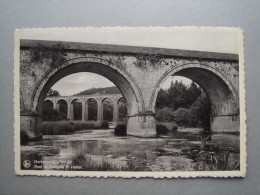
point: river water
(101, 150)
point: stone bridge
(99, 98)
(138, 72)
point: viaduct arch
(138, 72)
(99, 98)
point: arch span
(222, 95)
(114, 73)
(50, 103)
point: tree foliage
(185, 105)
(52, 92)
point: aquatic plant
(89, 164)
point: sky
(75, 83)
(217, 39)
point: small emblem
(27, 164)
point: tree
(162, 99)
(53, 93)
(177, 96)
(193, 93)
(187, 106)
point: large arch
(111, 71)
(222, 95)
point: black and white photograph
(130, 102)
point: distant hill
(106, 90)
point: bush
(69, 127)
(120, 130)
(104, 125)
(161, 129)
(165, 114)
(24, 139)
(171, 126)
(174, 127)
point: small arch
(63, 106)
(76, 109)
(92, 106)
(49, 103)
(108, 108)
(105, 99)
(62, 100)
(121, 99)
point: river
(101, 150)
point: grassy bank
(69, 127)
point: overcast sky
(78, 82)
(221, 40)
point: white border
(126, 174)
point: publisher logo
(27, 164)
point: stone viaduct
(138, 72)
(99, 98)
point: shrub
(104, 125)
(66, 128)
(120, 130)
(69, 127)
(174, 127)
(24, 139)
(165, 114)
(171, 126)
(161, 129)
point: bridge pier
(56, 106)
(142, 125)
(100, 111)
(30, 124)
(225, 123)
(84, 111)
(115, 114)
(70, 114)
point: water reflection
(101, 151)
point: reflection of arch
(220, 91)
(113, 72)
